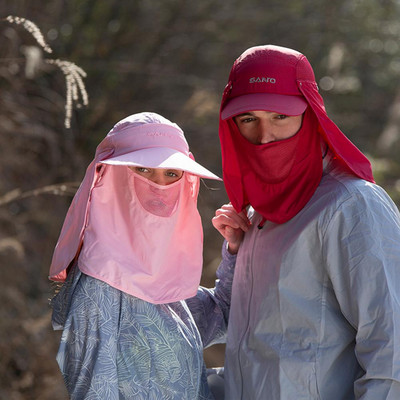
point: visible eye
(173, 173)
(142, 169)
(281, 116)
(246, 120)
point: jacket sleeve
(362, 246)
(210, 308)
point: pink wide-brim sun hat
(162, 157)
(150, 140)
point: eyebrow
(243, 114)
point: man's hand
(231, 225)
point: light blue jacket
(315, 309)
(117, 346)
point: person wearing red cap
(315, 306)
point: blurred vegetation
(172, 57)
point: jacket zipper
(248, 309)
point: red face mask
(277, 179)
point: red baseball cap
(265, 83)
(280, 103)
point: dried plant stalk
(75, 86)
(73, 74)
(32, 29)
(62, 189)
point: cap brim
(161, 157)
(282, 104)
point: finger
(244, 217)
(231, 235)
(233, 219)
(222, 220)
(230, 209)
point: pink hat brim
(282, 104)
(161, 157)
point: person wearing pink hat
(315, 307)
(128, 256)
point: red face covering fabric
(280, 177)
(275, 70)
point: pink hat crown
(146, 130)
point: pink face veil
(160, 200)
(140, 237)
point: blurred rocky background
(172, 57)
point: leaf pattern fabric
(210, 307)
(117, 346)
